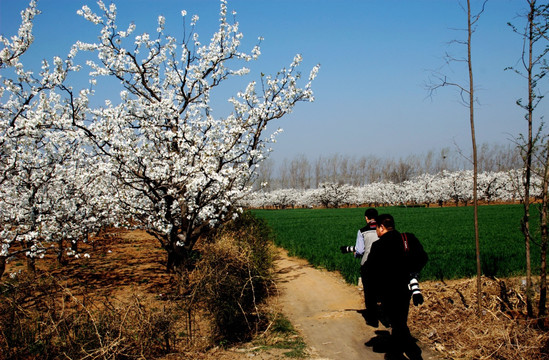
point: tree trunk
(544, 234)
(177, 259)
(528, 174)
(2, 265)
(179, 250)
(543, 263)
(31, 265)
(543, 275)
(60, 251)
(475, 160)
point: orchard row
(428, 189)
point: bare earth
(325, 311)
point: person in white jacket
(365, 237)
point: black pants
(372, 314)
(396, 309)
(364, 285)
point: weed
(282, 335)
(282, 325)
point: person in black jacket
(391, 261)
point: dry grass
(448, 321)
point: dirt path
(325, 310)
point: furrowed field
(446, 233)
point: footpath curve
(327, 312)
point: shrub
(234, 276)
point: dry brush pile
(232, 279)
(448, 321)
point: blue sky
(376, 58)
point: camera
(347, 249)
(413, 285)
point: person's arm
(359, 245)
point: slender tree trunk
(2, 265)
(60, 251)
(528, 173)
(543, 264)
(544, 235)
(543, 274)
(31, 264)
(475, 160)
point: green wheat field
(447, 234)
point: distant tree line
(304, 173)
(444, 188)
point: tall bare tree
(470, 23)
(266, 175)
(468, 98)
(300, 172)
(533, 69)
(544, 29)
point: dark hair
(386, 220)
(370, 213)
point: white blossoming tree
(334, 195)
(178, 169)
(45, 178)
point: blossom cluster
(15, 46)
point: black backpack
(414, 254)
